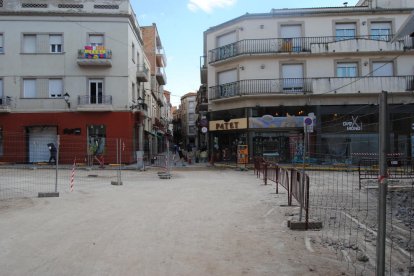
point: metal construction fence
(348, 211)
(35, 164)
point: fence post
(307, 203)
(277, 178)
(291, 184)
(383, 184)
(57, 161)
(265, 173)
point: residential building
(188, 119)
(76, 69)
(267, 72)
(155, 139)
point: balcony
(299, 86)
(161, 59)
(203, 69)
(309, 45)
(95, 103)
(5, 105)
(142, 73)
(95, 56)
(161, 77)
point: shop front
(225, 136)
(277, 139)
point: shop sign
(290, 121)
(354, 125)
(233, 124)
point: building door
(39, 137)
(95, 91)
(292, 77)
(291, 35)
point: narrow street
(199, 222)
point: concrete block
(52, 194)
(301, 225)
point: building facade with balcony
(155, 137)
(188, 120)
(266, 72)
(75, 69)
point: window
(95, 91)
(1, 44)
(133, 52)
(227, 81)
(381, 31)
(96, 40)
(55, 42)
(382, 69)
(344, 31)
(133, 91)
(29, 88)
(347, 70)
(291, 38)
(292, 75)
(29, 44)
(96, 139)
(226, 44)
(55, 88)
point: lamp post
(66, 97)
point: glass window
(382, 69)
(96, 139)
(347, 70)
(133, 52)
(95, 91)
(55, 88)
(381, 31)
(29, 43)
(1, 44)
(29, 88)
(96, 40)
(344, 31)
(55, 42)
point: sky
(181, 24)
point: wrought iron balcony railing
(5, 102)
(95, 100)
(311, 85)
(290, 45)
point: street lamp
(140, 102)
(66, 96)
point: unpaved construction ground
(199, 222)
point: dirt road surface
(204, 222)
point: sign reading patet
(233, 124)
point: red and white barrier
(72, 178)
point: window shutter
(29, 43)
(55, 88)
(29, 88)
(55, 39)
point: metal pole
(382, 183)
(302, 178)
(57, 161)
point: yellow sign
(242, 154)
(233, 124)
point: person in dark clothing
(52, 150)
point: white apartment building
(75, 69)
(265, 72)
